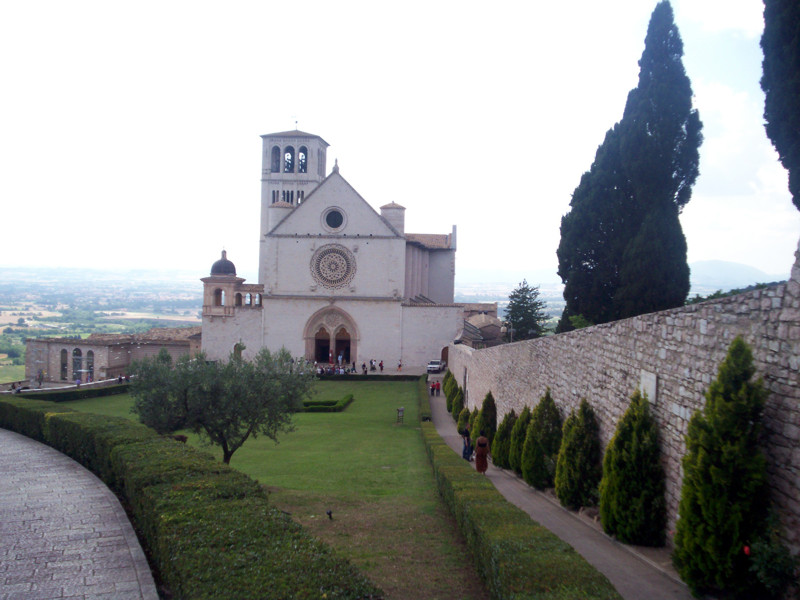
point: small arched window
(64, 364)
(90, 365)
(258, 299)
(238, 300)
(288, 159)
(302, 159)
(77, 363)
(219, 297)
(248, 300)
(275, 160)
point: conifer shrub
(518, 433)
(448, 401)
(578, 467)
(502, 440)
(449, 385)
(489, 411)
(473, 417)
(723, 505)
(458, 403)
(463, 420)
(542, 443)
(476, 426)
(632, 503)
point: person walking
(466, 451)
(482, 453)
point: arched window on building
(275, 160)
(77, 364)
(238, 300)
(302, 160)
(248, 300)
(288, 159)
(219, 297)
(64, 364)
(90, 365)
(258, 299)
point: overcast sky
(129, 134)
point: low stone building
(103, 356)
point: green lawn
(9, 373)
(373, 475)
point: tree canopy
(622, 236)
(525, 312)
(224, 402)
(781, 84)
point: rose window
(333, 266)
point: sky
(130, 131)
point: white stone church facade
(335, 277)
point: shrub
(502, 440)
(449, 385)
(632, 503)
(542, 443)
(518, 433)
(458, 403)
(448, 402)
(771, 562)
(474, 424)
(489, 412)
(578, 467)
(723, 504)
(463, 420)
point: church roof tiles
(431, 241)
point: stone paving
(63, 533)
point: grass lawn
(373, 475)
(9, 373)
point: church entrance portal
(322, 346)
(329, 333)
(343, 346)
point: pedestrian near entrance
(381, 365)
(482, 453)
(400, 365)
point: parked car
(436, 366)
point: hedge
(208, 529)
(76, 393)
(517, 558)
(327, 405)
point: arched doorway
(329, 332)
(343, 345)
(322, 346)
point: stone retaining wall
(672, 355)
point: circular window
(334, 219)
(333, 266)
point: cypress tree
(489, 412)
(518, 433)
(578, 468)
(542, 443)
(502, 440)
(781, 85)
(463, 420)
(723, 504)
(632, 503)
(458, 403)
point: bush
(327, 405)
(632, 503)
(723, 504)
(489, 412)
(449, 385)
(518, 433)
(771, 562)
(458, 403)
(578, 467)
(78, 393)
(542, 443)
(473, 422)
(463, 420)
(502, 440)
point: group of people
(479, 453)
(436, 388)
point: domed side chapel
(335, 277)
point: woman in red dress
(482, 453)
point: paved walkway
(636, 572)
(63, 533)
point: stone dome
(223, 266)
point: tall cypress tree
(641, 178)
(781, 84)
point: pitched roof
(294, 133)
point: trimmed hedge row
(77, 393)
(517, 558)
(328, 405)
(208, 529)
(370, 377)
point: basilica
(337, 280)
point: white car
(436, 366)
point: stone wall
(672, 355)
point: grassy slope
(375, 478)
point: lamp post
(509, 329)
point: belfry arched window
(275, 160)
(219, 297)
(288, 159)
(238, 300)
(302, 159)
